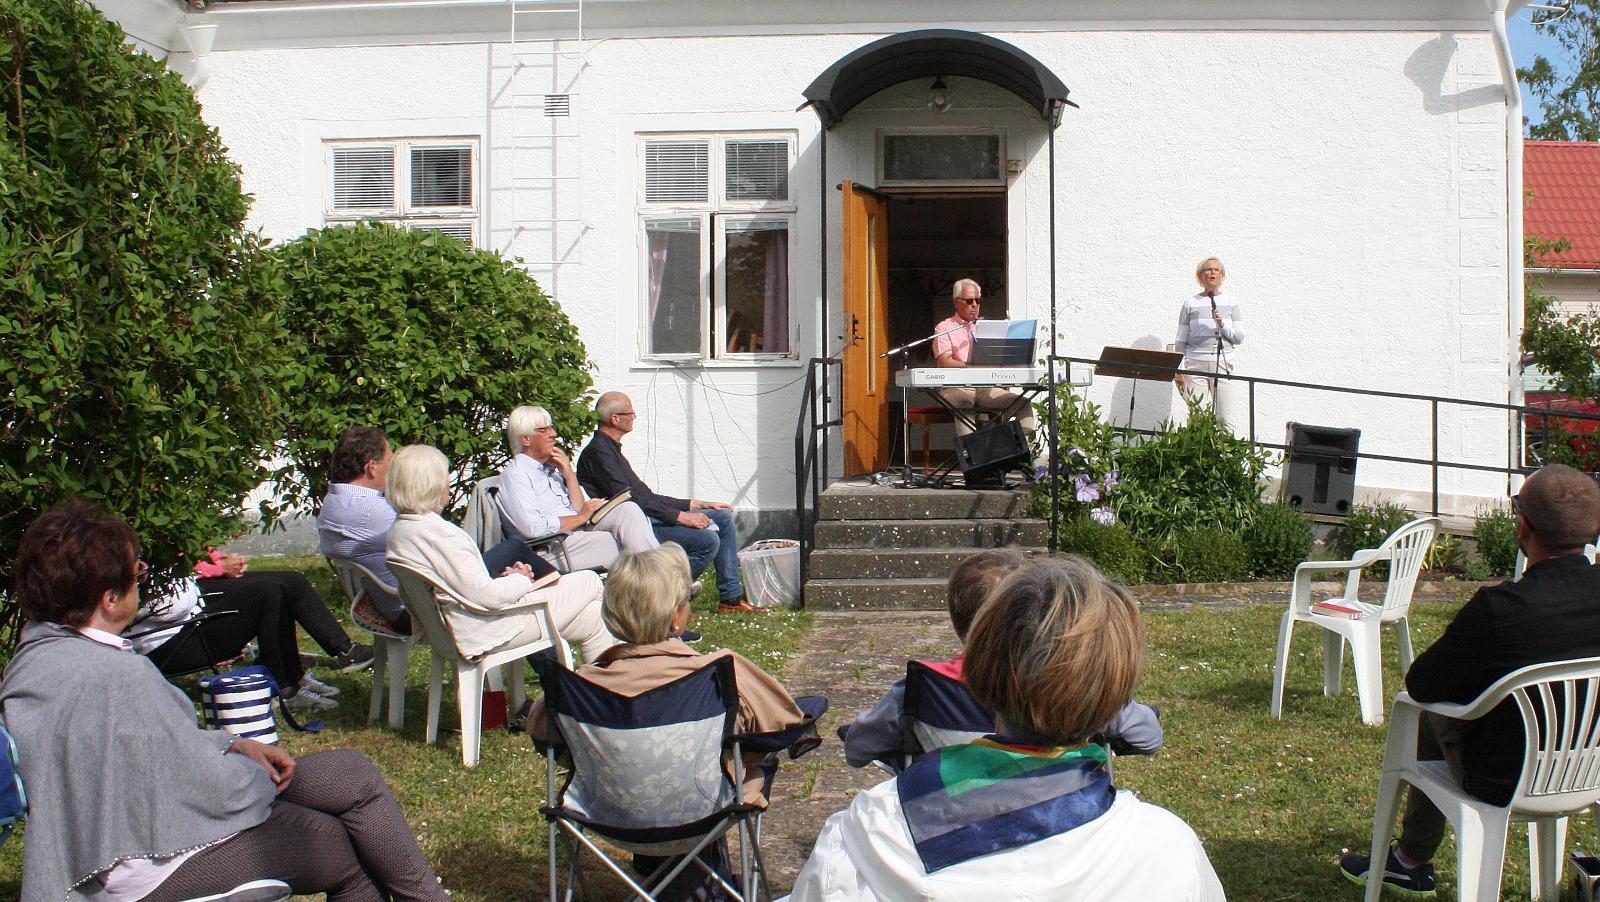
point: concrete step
(930, 533)
(857, 502)
(889, 563)
(875, 594)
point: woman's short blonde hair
(643, 590)
(525, 420)
(1055, 651)
(418, 476)
(1201, 266)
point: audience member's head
(70, 557)
(1055, 652)
(362, 451)
(974, 578)
(523, 423)
(419, 477)
(644, 591)
(1561, 508)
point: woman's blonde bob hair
(418, 477)
(643, 590)
(1055, 651)
(1201, 266)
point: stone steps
(883, 548)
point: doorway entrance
(902, 253)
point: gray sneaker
(309, 700)
(319, 687)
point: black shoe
(1408, 883)
(688, 636)
(353, 658)
(519, 721)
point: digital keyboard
(943, 377)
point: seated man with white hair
(539, 495)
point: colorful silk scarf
(995, 794)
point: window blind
(677, 172)
(363, 178)
(756, 169)
(441, 176)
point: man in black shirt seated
(1551, 614)
(705, 529)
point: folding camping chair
(647, 775)
(938, 711)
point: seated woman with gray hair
(647, 600)
(1030, 811)
(417, 486)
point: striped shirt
(1197, 334)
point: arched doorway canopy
(931, 53)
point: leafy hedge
(416, 333)
(140, 349)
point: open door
(866, 327)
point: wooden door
(866, 330)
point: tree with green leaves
(140, 350)
(426, 338)
(1568, 89)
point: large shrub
(416, 333)
(139, 357)
(1189, 477)
(1085, 474)
(1280, 538)
(1206, 555)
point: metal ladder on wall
(548, 54)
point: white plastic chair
(390, 650)
(1521, 566)
(1405, 550)
(421, 596)
(1560, 707)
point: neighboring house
(1562, 179)
(658, 167)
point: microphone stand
(1216, 364)
(905, 411)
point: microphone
(1212, 296)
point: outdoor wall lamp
(939, 95)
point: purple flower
(1040, 472)
(1086, 490)
(1103, 516)
(1112, 479)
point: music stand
(1136, 364)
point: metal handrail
(811, 455)
(1433, 462)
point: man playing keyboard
(954, 349)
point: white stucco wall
(1351, 180)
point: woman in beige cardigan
(500, 616)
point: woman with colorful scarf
(1029, 812)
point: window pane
(441, 176)
(758, 286)
(677, 172)
(363, 178)
(461, 231)
(943, 158)
(757, 170)
(672, 286)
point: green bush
(1086, 474)
(1190, 477)
(141, 354)
(1366, 526)
(1206, 555)
(421, 335)
(1496, 532)
(1113, 549)
(1280, 537)
(1447, 554)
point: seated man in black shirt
(705, 529)
(1551, 614)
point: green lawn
(1276, 802)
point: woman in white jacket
(1029, 812)
(499, 616)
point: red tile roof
(1563, 183)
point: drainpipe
(1514, 274)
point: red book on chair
(1335, 609)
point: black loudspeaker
(987, 454)
(1319, 468)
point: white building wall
(1351, 180)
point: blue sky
(1526, 43)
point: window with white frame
(716, 213)
(419, 183)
